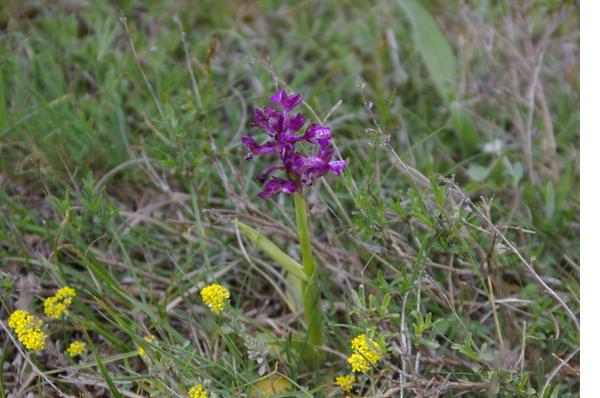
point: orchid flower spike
(283, 129)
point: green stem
(312, 287)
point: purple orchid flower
(282, 127)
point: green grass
(453, 236)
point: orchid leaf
(276, 254)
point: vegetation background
(453, 234)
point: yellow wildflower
(76, 348)
(149, 339)
(28, 329)
(358, 363)
(345, 382)
(366, 353)
(197, 391)
(57, 305)
(18, 320)
(34, 339)
(215, 297)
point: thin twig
(516, 251)
(557, 369)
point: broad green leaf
(433, 47)
(269, 387)
(262, 242)
(440, 61)
(294, 292)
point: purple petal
(301, 163)
(278, 97)
(317, 134)
(295, 123)
(255, 148)
(337, 166)
(260, 119)
(325, 155)
(287, 102)
(262, 177)
(273, 113)
(313, 173)
(276, 186)
(268, 119)
(319, 169)
(291, 101)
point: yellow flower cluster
(215, 297)
(149, 339)
(28, 329)
(366, 352)
(76, 348)
(345, 382)
(197, 391)
(57, 305)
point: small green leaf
(385, 303)
(477, 172)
